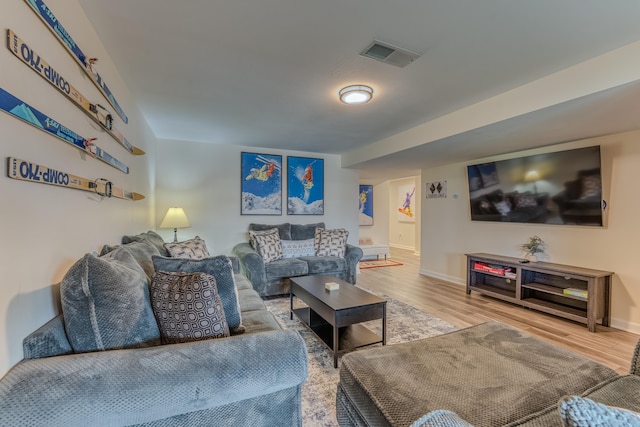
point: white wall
(45, 229)
(448, 232)
(205, 180)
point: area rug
(404, 323)
(378, 263)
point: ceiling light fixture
(356, 94)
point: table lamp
(175, 218)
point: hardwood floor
(449, 301)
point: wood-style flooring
(449, 301)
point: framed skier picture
(305, 186)
(261, 184)
(365, 203)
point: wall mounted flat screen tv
(563, 187)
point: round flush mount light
(356, 94)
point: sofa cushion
(250, 301)
(242, 282)
(284, 230)
(440, 418)
(195, 248)
(260, 321)
(297, 248)
(580, 412)
(322, 264)
(304, 231)
(220, 268)
(150, 237)
(332, 242)
(187, 307)
(105, 303)
(286, 268)
(267, 244)
(142, 251)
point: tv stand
(575, 293)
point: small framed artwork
(365, 200)
(406, 200)
(305, 186)
(261, 184)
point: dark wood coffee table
(335, 316)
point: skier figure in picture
(262, 174)
(307, 178)
(406, 206)
(363, 199)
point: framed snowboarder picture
(406, 203)
(365, 203)
(261, 184)
(305, 186)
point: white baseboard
(625, 325)
(441, 276)
(407, 248)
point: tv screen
(563, 187)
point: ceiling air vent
(390, 54)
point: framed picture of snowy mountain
(261, 184)
(305, 186)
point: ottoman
(489, 374)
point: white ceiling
(265, 73)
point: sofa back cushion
(219, 267)
(150, 237)
(105, 303)
(304, 231)
(142, 252)
(187, 307)
(284, 230)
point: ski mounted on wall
(47, 16)
(98, 113)
(27, 171)
(37, 119)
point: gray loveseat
(254, 378)
(272, 278)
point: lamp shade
(175, 218)
(532, 175)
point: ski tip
(137, 196)
(137, 152)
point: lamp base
(175, 235)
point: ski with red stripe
(49, 19)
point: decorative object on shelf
(175, 218)
(305, 186)
(27, 171)
(534, 246)
(365, 203)
(261, 184)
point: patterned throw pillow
(332, 242)
(525, 200)
(297, 248)
(591, 186)
(581, 412)
(267, 244)
(192, 249)
(502, 207)
(187, 307)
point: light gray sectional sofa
(253, 378)
(272, 278)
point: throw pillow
(142, 252)
(150, 237)
(332, 242)
(581, 412)
(524, 200)
(591, 186)
(267, 244)
(195, 248)
(187, 307)
(297, 248)
(502, 207)
(219, 267)
(105, 304)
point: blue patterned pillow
(219, 267)
(580, 412)
(297, 248)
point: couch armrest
(635, 361)
(252, 265)
(353, 254)
(123, 387)
(48, 340)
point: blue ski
(47, 16)
(23, 111)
